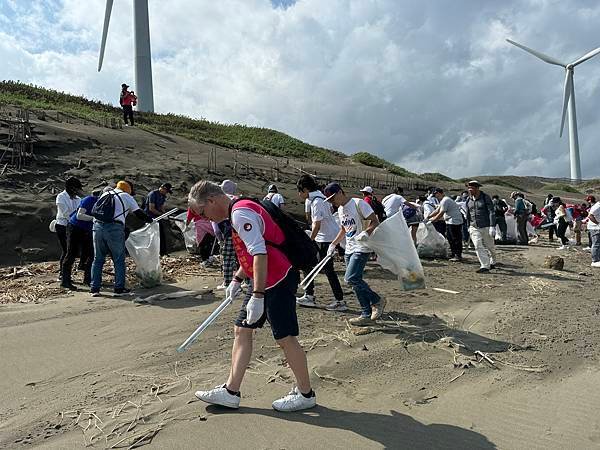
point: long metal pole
(143, 60)
(573, 138)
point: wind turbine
(568, 100)
(143, 60)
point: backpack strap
(267, 206)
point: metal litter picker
(210, 319)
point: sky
(430, 85)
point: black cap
(167, 187)
(124, 86)
(74, 183)
(437, 190)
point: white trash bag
(143, 246)
(396, 252)
(430, 243)
(189, 233)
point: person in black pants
(127, 101)
(66, 204)
(324, 230)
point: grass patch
(368, 159)
(563, 187)
(435, 176)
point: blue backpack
(104, 209)
(408, 212)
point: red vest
(278, 265)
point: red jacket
(127, 98)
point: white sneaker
(295, 401)
(219, 396)
(587, 249)
(221, 286)
(337, 306)
(563, 247)
(596, 264)
(306, 300)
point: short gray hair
(202, 190)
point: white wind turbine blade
(543, 57)
(109, 5)
(586, 57)
(566, 97)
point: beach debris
(447, 291)
(457, 377)
(554, 262)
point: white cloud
(431, 85)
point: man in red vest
(127, 100)
(256, 238)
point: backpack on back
(299, 249)
(378, 208)
(408, 212)
(104, 209)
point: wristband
(238, 279)
(258, 292)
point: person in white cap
(274, 196)
(373, 202)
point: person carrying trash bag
(262, 246)
(109, 212)
(358, 221)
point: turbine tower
(568, 102)
(143, 60)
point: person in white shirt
(274, 196)
(66, 204)
(110, 237)
(324, 230)
(358, 221)
(593, 226)
(451, 213)
(394, 203)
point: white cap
(368, 189)
(229, 187)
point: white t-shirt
(320, 211)
(352, 215)
(392, 204)
(122, 199)
(65, 205)
(251, 228)
(429, 205)
(595, 211)
(452, 213)
(275, 198)
(307, 203)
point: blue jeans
(355, 265)
(108, 237)
(595, 235)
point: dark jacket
(480, 212)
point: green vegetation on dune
(368, 159)
(561, 187)
(241, 137)
(435, 176)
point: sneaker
(221, 286)
(360, 321)
(377, 309)
(95, 293)
(121, 291)
(482, 270)
(563, 247)
(338, 305)
(587, 249)
(69, 286)
(295, 401)
(455, 259)
(306, 300)
(220, 396)
(596, 264)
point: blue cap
(332, 189)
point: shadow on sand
(394, 430)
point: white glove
(363, 237)
(426, 222)
(254, 309)
(233, 290)
(331, 250)
(492, 232)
